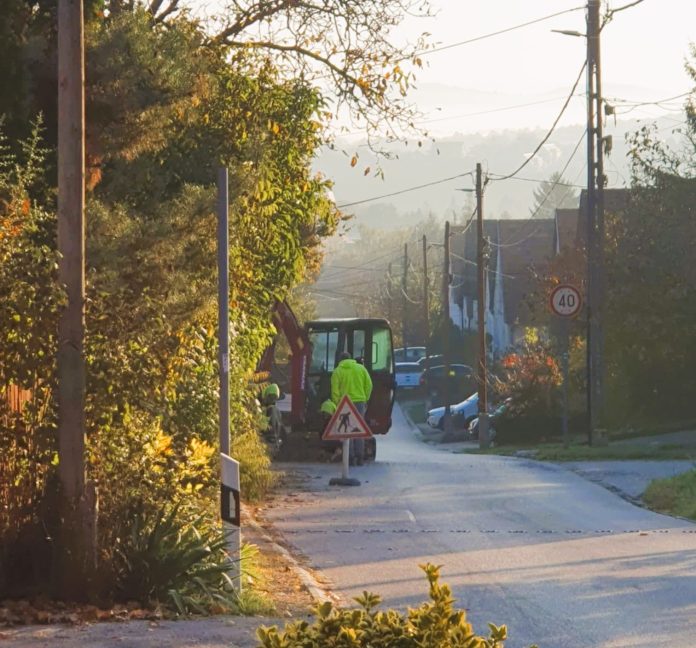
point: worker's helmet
(328, 407)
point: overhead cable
(551, 130)
(543, 202)
(499, 32)
(402, 191)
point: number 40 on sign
(565, 300)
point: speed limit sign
(565, 300)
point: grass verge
(416, 411)
(674, 495)
(556, 452)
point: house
(516, 247)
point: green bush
(434, 623)
(181, 564)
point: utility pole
(481, 276)
(447, 420)
(595, 222)
(404, 283)
(426, 313)
(390, 296)
(78, 525)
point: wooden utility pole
(426, 313)
(77, 524)
(390, 296)
(595, 222)
(404, 309)
(446, 330)
(481, 308)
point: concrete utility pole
(481, 276)
(447, 419)
(78, 526)
(426, 313)
(223, 309)
(404, 309)
(595, 221)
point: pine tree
(552, 194)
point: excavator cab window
(324, 347)
(381, 350)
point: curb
(316, 591)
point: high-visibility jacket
(352, 379)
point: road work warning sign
(346, 423)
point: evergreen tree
(553, 194)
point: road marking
(411, 516)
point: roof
(566, 228)
(615, 200)
(524, 244)
(524, 248)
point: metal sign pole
(229, 468)
(223, 245)
(346, 459)
(565, 356)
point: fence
(15, 397)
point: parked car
(408, 375)
(462, 413)
(431, 361)
(409, 354)
(492, 419)
(461, 382)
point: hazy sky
(643, 54)
(478, 87)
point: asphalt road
(562, 561)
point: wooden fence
(15, 397)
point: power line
(636, 104)
(551, 130)
(403, 191)
(494, 110)
(360, 266)
(497, 176)
(543, 202)
(611, 12)
(499, 32)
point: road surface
(562, 561)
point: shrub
(434, 623)
(182, 564)
(530, 383)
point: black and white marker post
(229, 468)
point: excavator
(314, 352)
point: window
(381, 350)
(324, 344)
(359, 343)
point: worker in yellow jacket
(351, 379)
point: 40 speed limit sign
(565, 300)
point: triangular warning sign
(346, 423)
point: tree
(345, 47)
(553, 194)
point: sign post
(565, 302)
(346, 424)
(229, 468)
